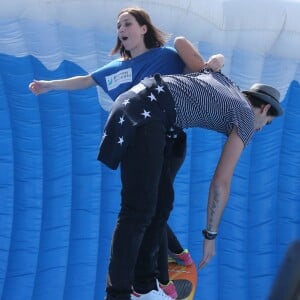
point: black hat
(267, 94)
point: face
(131, 34)
(261, 117)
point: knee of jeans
(143, 217)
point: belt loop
(157, 77)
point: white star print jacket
(149, 100)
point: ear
(144, 29)
(265, 108)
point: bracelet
(212, 232)
(209, 235)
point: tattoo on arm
(213, 209)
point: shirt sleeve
(243, 119)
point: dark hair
(154, 37)
(257, 102)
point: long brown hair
(153, 38)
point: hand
(209, 250)
(216, 62)
(40, 87)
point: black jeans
(169, 241)
(147, 200)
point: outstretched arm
(73, 83)
(219, 190)
(193, 60)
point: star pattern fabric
(152, 102)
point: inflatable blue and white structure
(58, 204)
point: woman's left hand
(216, 62)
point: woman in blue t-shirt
(142, 54)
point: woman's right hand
(38, 87)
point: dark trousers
(146, 202)
(169, 241)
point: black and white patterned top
(207, 99)
(211, 100)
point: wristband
(209, 235)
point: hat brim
(275, 104)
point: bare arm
(73, 83)
(189, 54)
(219, 190)
(193, 60)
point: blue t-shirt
(119, 75)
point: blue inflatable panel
(58, 204)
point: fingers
(31, 86)
(216, 62)
(203, 263)
(214, 65)
(221, 59)
(34, 88)
(209, 252)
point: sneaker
(152, 295)
(184, 258)
(169, 289)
